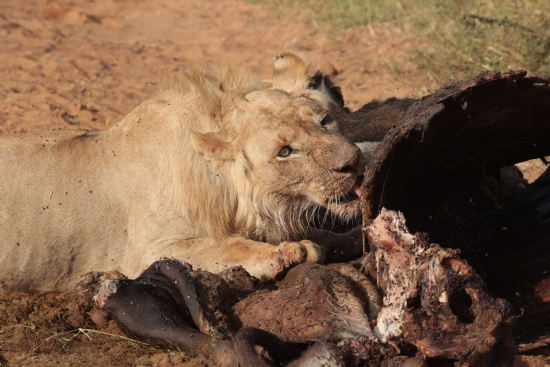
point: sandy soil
(86, 64)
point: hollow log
(439, 165)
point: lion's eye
(284, 152)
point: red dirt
(86, 64)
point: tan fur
(193, 173)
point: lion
(216, 170)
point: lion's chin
(346, 209)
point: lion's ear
(289, 72)
(322, 83)
(211, 147)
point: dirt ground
(85, 64)
(88, 63)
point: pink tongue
(356, 190)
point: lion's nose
(350, 165)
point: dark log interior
(433, 167)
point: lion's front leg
(262, 260)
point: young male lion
(215, 170)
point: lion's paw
(273, 260)
(290, 253)
(300, 252)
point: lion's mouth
(353, 195)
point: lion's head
(279, 155)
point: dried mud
(43, 330)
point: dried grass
(464, 37)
